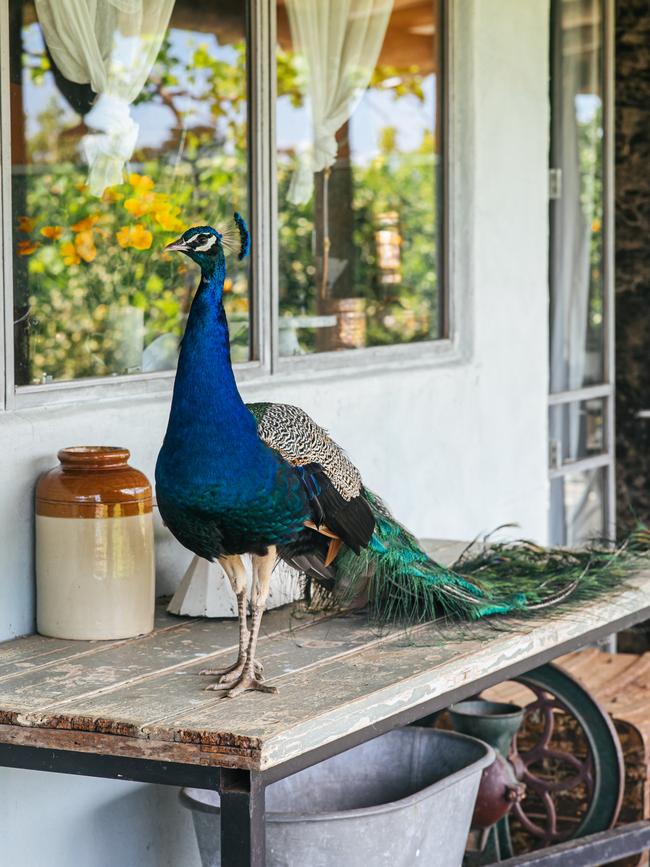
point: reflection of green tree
(72, 300)
(201, 171)
(404, 182)
(590, 151)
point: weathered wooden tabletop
(335, 674)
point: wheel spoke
(552, 773)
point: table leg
(243, 834)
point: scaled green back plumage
(406, 585)
(401, 582)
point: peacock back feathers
(392, 571)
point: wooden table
(136, 709)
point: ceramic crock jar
(94, 547)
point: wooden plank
(121, 663)
(139, 748)
(326, 702)
(141, 708)
(602, 669)
(597, 670)
(337, 689)
(31, 652)
(592, 851)
(398, 694)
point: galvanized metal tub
(402, 799)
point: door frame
(606, 389)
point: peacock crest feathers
(244, 236)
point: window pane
(359, 174)
(578, 508)
(122, 137)
(577, 430)
(577, 150)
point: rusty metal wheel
(584, 777)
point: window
(129, 128)
(158, 109)
(359, 174)
(581, 286)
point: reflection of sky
(156, 121)
(377, 110)
(36, 97)
(587, 106)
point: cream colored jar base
(94, 577)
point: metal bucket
(401, 799)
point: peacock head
(206, 246)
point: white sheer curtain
(339, 43)
(111, 45)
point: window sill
(367, 362)
(345, 364)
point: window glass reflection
(126, 129)
(359, 165)
(577, 149)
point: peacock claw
(231, 677)
(249, 682)
(227, 676)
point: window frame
(266, 363)
(606, 388)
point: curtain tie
(107, 151)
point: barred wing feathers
(382, 560)
(331, 480)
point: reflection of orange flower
(26, 224)
(227, 285)
(140, 183)
(26, 248)
(52, 232)
(140, 206)
(595, 226)
(85, 225)
(85, 246)
(238, 305)
(135, 236)
(69, 253)
(167, 218)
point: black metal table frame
(242, 791)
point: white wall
(455, 449)
(48, 820)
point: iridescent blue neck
(205, 392)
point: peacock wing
(332, 482)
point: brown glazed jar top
(93, 482)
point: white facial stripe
(206, 245)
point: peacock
(264, 479)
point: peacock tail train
(403, 584)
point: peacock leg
(235, 570)
(249, 678)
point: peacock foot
(228, 676)
(249, 681)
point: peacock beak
(178, 245)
